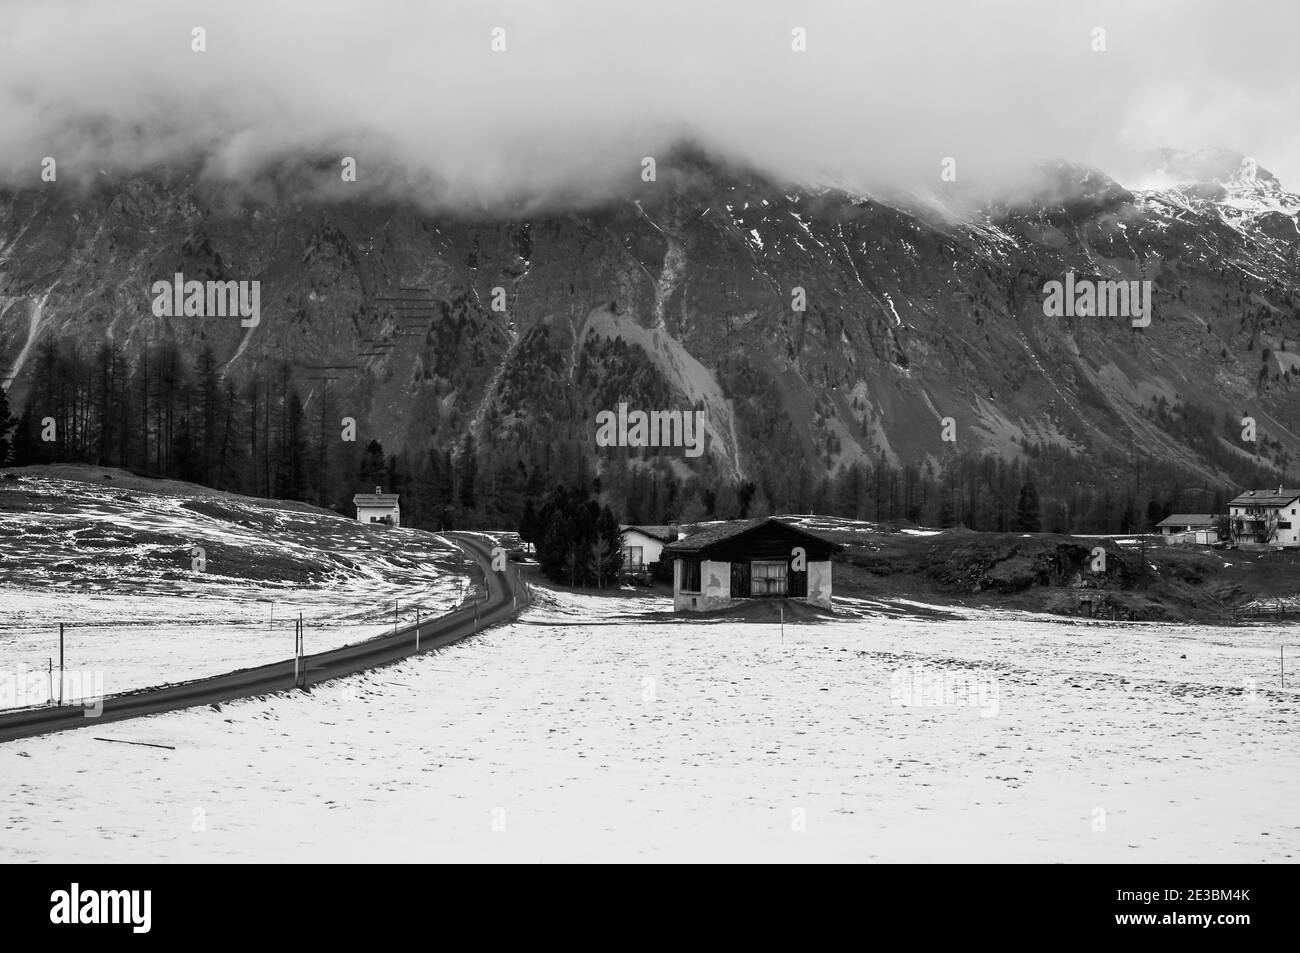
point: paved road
(499, 606)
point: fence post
(300, 646)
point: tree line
(165, 416)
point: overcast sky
(586, 88)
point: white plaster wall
(715, 587)
(819, 583)
(1284, 537)
(365, 512)
(650, 548)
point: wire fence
(404, 617)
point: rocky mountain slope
(681, 295)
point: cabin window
(768, 579)
(690, 576)
(632, 556)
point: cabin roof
(1265, 498)
(1188, 519)
(375, 499)
(706, 539)
(665, 534)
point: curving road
(504, 590)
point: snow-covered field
(116, 565)
(574, 736)
(123, 643)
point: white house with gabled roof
(378, 507)
(1266, 519)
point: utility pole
(60, 664)
(417, 628)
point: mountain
(680, 295)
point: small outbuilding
(725, 565)
(378, 507)
(1189, 527)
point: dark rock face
(682, 297)
(1278, 226)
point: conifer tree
(7, 424)
(1027, 520)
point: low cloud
(585, 89)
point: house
(643, 544)
(750, 559)
(1189, 528)
(1266, 519)
(378, 507)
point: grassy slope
(105, 528)
(109, 555)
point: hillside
(1052, 574)
(678, 296)
(111, 556)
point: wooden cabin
(767, 558)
